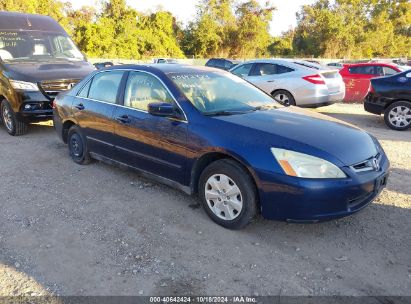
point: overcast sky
(184, 10)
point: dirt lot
(98, 230)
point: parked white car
(294, 82)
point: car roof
(165, 68)
(370, 64)
(294, 63)
(28, 22)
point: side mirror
(408, 75)
(162, 109)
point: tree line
(229, 28)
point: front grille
(367, 165)
(53, 87)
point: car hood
(50, 70)
(308, 132)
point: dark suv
(221, 63)
(38, 60)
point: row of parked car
(202, 130)
(309, 84)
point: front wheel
(13, 125)
(78, 146)
(228, 194)
(398, 116)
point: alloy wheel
(7, 118)
(282, 98)
(400, 116)
(223, 197)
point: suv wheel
(228, 194)
(77, 145)
(10, 121)
(398, 115)
(284, 97)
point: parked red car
(357, 78)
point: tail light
(315, 79)
(371, 89)
(53, 104)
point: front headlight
(304, 165)
(25, 86)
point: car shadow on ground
(41, 128)
(400, 181)
(376, 219)
(45, 128)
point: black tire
(14, 126)
(77, 145)
(389, 114)
(243, 180)
(279, 97)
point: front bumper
(312, 200)
(34, 107)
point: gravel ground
(99, 230)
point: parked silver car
(294, 82)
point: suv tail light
(315, 79)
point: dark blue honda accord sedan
(209, 132)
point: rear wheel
(228, 194)
(398, 116)
(10, 121)
(284, 97)
(78, 146)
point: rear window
(212, 63)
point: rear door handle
(79, 106)
(270, 80)
(123, 119)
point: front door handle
(79, 106)
(270, 80)
(123, 119)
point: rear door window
(264, 69)
(105, 86)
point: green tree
(212, 32)
(253, 25)
(354, 29)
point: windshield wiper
(227, 113)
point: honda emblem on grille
(375, 164)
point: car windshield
(37, 46)
(215, 92)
